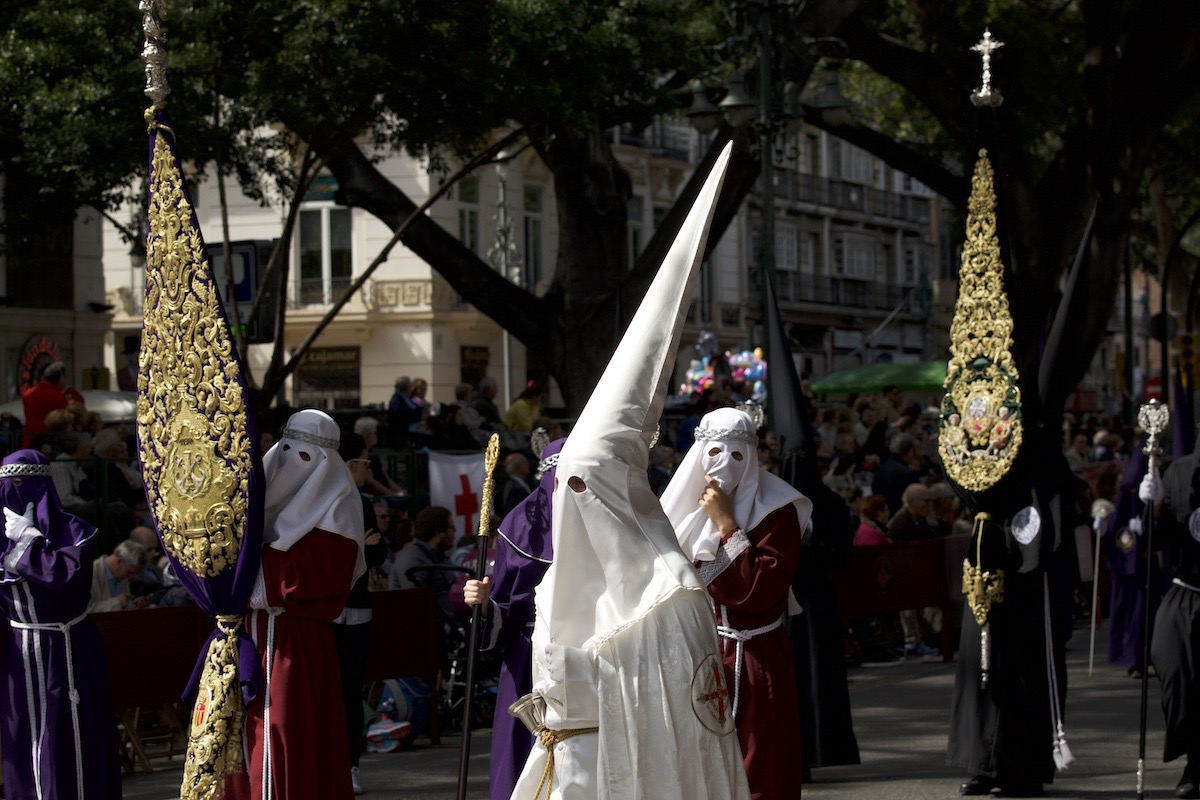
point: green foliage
(68, 73)
(1039, 70)
(253, 82)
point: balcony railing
(880, 203)
(796, 287)
(318, 291)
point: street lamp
(503, 254)
(768, 26)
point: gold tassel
(983, 589)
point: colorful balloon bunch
(747, 367)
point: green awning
(922, 376)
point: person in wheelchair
(423, 563)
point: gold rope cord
(980, 428)
(194, 448)
(982, 588)
(549, 738)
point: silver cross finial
(986, 95)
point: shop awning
(920, 376)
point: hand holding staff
(485, 527)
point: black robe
(818, 634)
(1006, 730)
(1175, 646)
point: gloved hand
(1150, 490)
(15, 525)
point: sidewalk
(901, 716)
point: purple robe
(524, 550)
(52, 748)
(1125, 551)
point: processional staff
(485, 529)
(1153, 417)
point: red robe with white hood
(749, 577)
(312, 554)
(624, 640)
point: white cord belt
(1188, 586)
(741, 637)
(72, 692)
(268, 782)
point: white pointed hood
(615, 552)
(623, 622)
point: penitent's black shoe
(980, 784)
(1187, 784)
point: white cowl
(624, 638)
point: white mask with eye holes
(726, 462)
(722, 436)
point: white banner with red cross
(456, 482)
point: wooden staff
(1153, 417)
(485, 526)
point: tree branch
(361, 185)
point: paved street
(901, 717)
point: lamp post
(766, 30)
(503, 256)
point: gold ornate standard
(981, 410)
(192, 428)
(191, 411)
(195, 452)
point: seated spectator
(910, 523)
(173, 592)
(43, 397)
(899, 471)
(472, 419)
(149, 582)
(873, 528)
(433, 535)
(485, 404)
(827, 428)
(1077, 454)
(404, 415)
(124, 478)
(525, 409)
(110, 578)
(378, 482)
(867, 418)
(446, 431)
(913, 520)
(70, 479)
(515, 485)
(946, 509)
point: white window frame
(324, 208)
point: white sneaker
(354, 781)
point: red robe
(754, 591)
(308, 722)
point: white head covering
(309, 486)
(756, 492)
(621, 613)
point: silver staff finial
(153, 54)
(1154, 418)
(986, 95)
